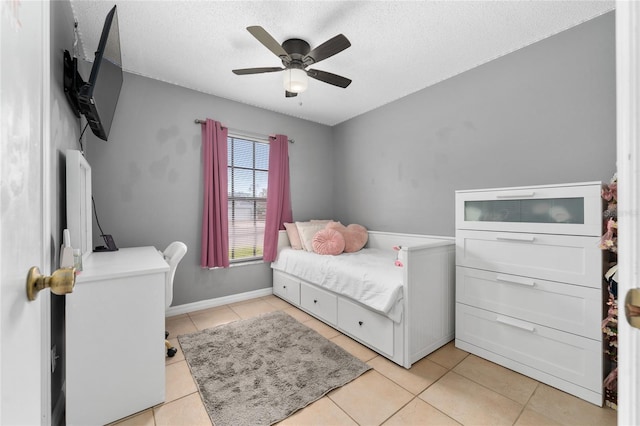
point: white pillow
(294, 237)
(307, 230)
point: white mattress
(368, 276)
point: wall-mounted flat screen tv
(98, 97)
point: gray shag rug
(261, 370)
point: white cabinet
(566, 356)
(549, 303)
(528, 282)
(564, 258)
(115, 364)
(572, 209)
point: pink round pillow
(328, 241)
(355, 236)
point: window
(248, 169)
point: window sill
(248, 262)
(240, 264)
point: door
(628, 158)
(24, 226)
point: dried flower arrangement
(609, 242)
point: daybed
(414, 318)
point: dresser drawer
(574, 209)
(286, 287)
(563, 258)
(565, 307)
(319, 302)
(368, 326)
(569, 357)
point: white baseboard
(218, 301)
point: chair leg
(171, 351)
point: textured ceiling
(397, 47)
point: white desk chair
(173, 254)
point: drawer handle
(512, 323)
(360, 323)
(515, 280)
(517, 195)
(514, 238)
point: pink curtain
(215, 221)
(278, 195)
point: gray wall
(65, 126)
(65, 131)
(543, 114)
(147, 179)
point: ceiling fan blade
(269, 42)
(245, 71)
(327, 77)
(327, 49)
(289, 94)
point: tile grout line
(449, 370)
(399, 409)
(178, 399)
(341, 409)
(399, 384)
(444, 366)
(525, 405)
(499, 393)
(422, 400)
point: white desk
(115, 336)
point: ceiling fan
(296, 55)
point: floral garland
(609, 242)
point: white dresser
(115, 336)
(529, 282)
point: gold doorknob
(60, 282)
(632, 307)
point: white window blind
(248, 168)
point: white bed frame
(428, 305)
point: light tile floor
(448, 387)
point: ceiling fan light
(295, 80)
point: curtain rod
(239, 132)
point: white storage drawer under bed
(569, 357)
(556, 305)
(565, 258)
(368, 326)
(320, 303)
(286, 287)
